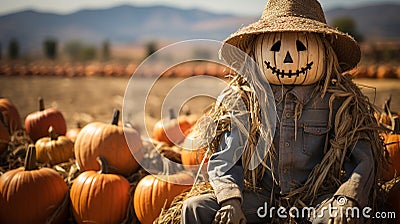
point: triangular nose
(288, 58)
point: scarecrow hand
(346, 211)
(338, 210)
(230, 213)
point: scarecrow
(326, 151)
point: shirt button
(287, 115)
(285, 171)
(287, 144)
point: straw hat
(295, 16)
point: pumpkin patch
(154, 193)
(54, 149)
(392, 142)
(31, 195)
(173, 130)
(108, 141)
(99, 197)
(37, 123)
(10, 115)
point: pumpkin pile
(80, 175)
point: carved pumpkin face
(290, 58)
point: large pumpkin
(99, 197)
(392, 142)
(4, 138)
(54, 149)
(193, 151)
(37, 123)
(31, 195)
(11, 117)
(153, 193)
(290, 58)
(109, 141)
(173, 130)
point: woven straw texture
(294, 16)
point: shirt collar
(302, 93)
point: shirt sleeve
(225, 167)
(358, 186)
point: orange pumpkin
(4, 138)
(173, 130)
(73, 133)
(392, 142)
(99, 197)
(385, 72)
(31, 195)
(109, 141)
(37, 123)
(10, 114)
(153, 193)
(54, 149)
(193, 152)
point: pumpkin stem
(79, 124)
(172, 114)
(30, 158)
(115, 117)
(52, 133)
(41, 104)
(103, 165)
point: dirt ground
(86, 99)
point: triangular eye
(300, 46)
(276, 47)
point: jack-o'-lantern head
(290, 58)
(292, 44)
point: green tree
(106, 50)
(151, 48)
(76, 50)
(87, 53)
(13, 49)
(73, 49)
(348, 25)
(50, 48)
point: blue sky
(241, 7)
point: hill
(128, 24)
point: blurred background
(80, 54)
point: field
(86, 99)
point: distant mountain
(374, 22)
(123, 24)
(127, 24)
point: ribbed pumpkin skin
(193, 157)
(37, 124)
(10, 115)
(99, 198)
(106, 140)
(152, 193)
(193, 152)
(393, 147)
(54, 151)
(172, 131)
(31, 196)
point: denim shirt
(298, 150)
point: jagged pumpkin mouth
(290, 73)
